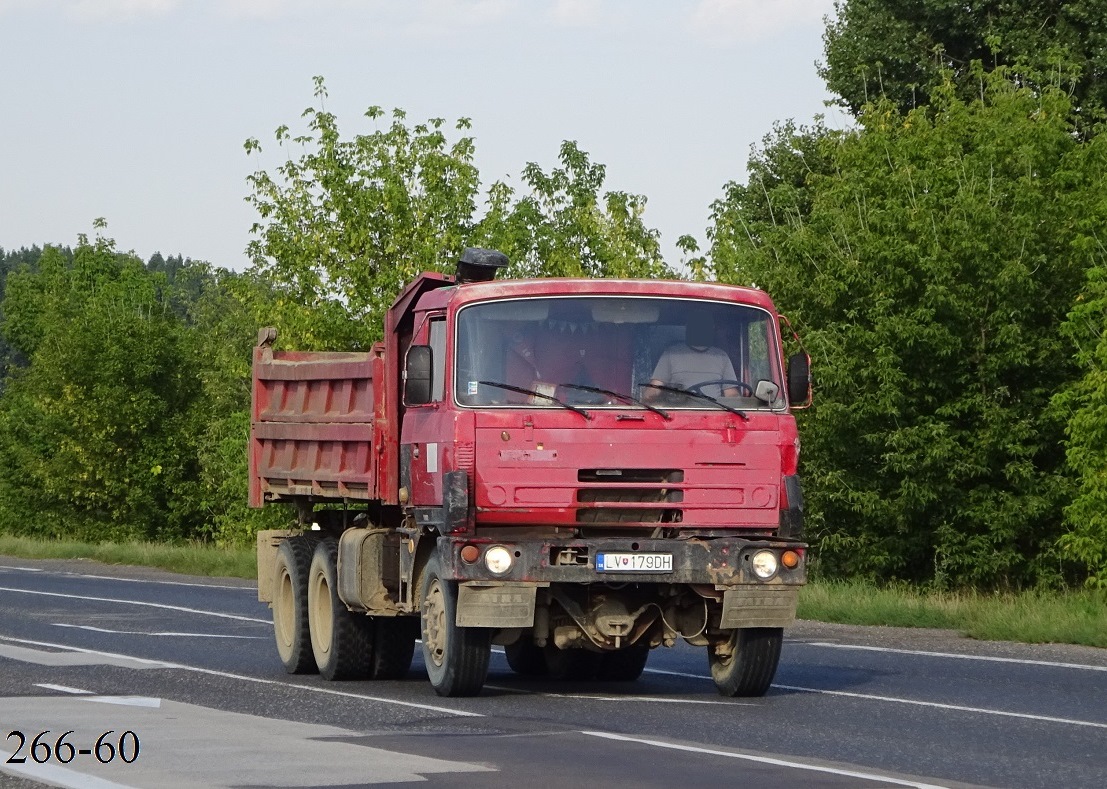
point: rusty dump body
(517, 438)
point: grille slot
(630, 475)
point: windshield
(624, 352)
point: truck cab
(578, 470)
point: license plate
(634, 562)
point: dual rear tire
(314, 630)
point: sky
(137, 110)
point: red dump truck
(579, 470)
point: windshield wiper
(618, 396)
(701, 396)
(533, 393)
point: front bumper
(721, 562)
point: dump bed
(312, 425)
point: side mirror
(417, 375)
(799, 380)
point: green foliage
(347, 223)
(929, 275)
(565, 228)
(902, 50)
(1086, 403)
(91, 432)
(221, 312)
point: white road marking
(60, 688)
(245, 678)
(941, 706)
(252, 589)
(42, 658)
(954, 655)
(126, 580)
(127, 701)
(145, 633)
(893, 699)
(56, 775)
(764, 760)
(85, 598)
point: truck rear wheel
(578, 665)
(456, 657)
(751, 666)
(341, 641)
(290, 607)
(626, 664)
(394, 646)
(526, 658)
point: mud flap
(759, 606)
(499, 605)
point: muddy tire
(750, 669)
(456, 657)
(394, 646)
(341, 641)
(625, 665)
(525, 658)
(574, 665)
(290, 607)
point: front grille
(645, 488)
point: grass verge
(1031, 617)
(1074, 617)
(188, 559)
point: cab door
(427, 427)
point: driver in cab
(695, 362)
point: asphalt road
(188, 667)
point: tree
(930, 274)
(346, 224)
(91, 438)
(566, 227)
(901, 49)
(779, 187)
(1084, 401)
(221, 313)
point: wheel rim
(322, 615)
(724, 661)
(434, 615)
(284, 615)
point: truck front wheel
(290, 608)
(456, 657)
(341, 641)
(746, 663)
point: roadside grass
(1074, 617)
(193, 559)
(1033, 617)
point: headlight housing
(764, 564)
(498, 559)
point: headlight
(498, 559)
(764, 564)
